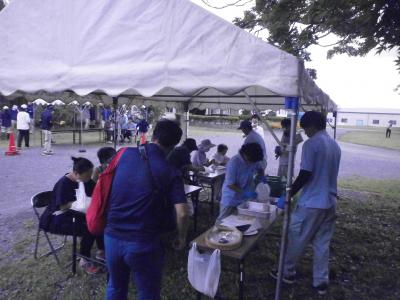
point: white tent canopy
(169, 50)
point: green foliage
(359, 25)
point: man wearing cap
(14, 113)
(46, 125)
(200, 157)
(23, 123)
(253, 137)
(5, 122)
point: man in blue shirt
(133, 230)
(5, 122)
(314, 218)
(253, 137)
(105, 115)
(238, 185)
(46, 125)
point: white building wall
(365, 119)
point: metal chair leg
(36, 244)
(53, 251)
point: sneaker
(321, 289)
(100, 255)
(287, 279)
(88, 267)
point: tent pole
(335, 124)
(286, 220)
(115, 105)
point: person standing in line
(282, 152)
(142, 129)
(255, 122)
(389, 130)
(5, 123)
(139, 201)
(86, 116)
(313, 220)
(23, 125)
(46, 125)
(31, 113)
(14, 113)
(253, 137)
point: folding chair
(38, 201)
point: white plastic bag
(204, 270)
(263, 191)
(82, 201)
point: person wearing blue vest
(46, 125)
(5, 123)
(146, 190)
(313, 220)
(105, 116)
(14, 113)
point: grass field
(375, 138)
(365, 257)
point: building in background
(366, 117)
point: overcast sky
(350, 81)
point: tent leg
(286, 220)
(335, 125)
(185, 123)
(115, 105)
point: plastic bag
(263, 191)
(82, 201)
(204, 270)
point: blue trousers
(143, 261)
(311, 226)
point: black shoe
(287, 279)
(321, 289)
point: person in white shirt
(23, 125)
(255, 123)
(220, 157)
(282, 152)
(253, 137)
(313, 220)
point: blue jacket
(47, 120)
(6, 118)
(30, 110)
(14, 114)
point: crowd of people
(142, 185)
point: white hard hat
(15, 107)
(5, 107)
(24, 106)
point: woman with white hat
(199, 157)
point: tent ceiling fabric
(143, 47)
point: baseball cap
(245, 124)
(24, 106)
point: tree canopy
(358, 26)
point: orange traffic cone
(12, 150)
(142, 139)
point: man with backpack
(147, 199)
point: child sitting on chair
(105, 156)
(58, 218)
(220, 157)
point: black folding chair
(40, 201)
